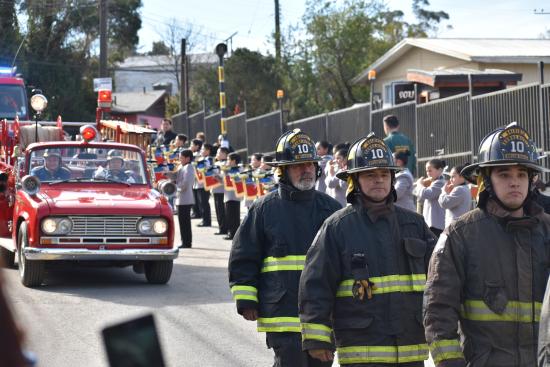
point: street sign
(103, 83)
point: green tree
(58, 55)
(251, 77)
(342, 39)
(159, 48)
(428, 20)
(10, 37)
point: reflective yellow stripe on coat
(445, 349)
(316, 332)
(291, 262)
(383, 354)
(387, 284)
(244, 292)
(279, 324)
(515, 311)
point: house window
(388, 95)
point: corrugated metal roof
(487, 50)
(133, 102)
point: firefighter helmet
(52, 153)
(294, 147)
(114, 154)
(503, 147)
(366, 154)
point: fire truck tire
(158, 272)
(7, 258)
(30, 271)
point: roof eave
(378, 65)
(511, 59)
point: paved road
(195, 315)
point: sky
(214, 21)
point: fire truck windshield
(13, 102)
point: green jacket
(398, 142)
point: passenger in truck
(115, 168)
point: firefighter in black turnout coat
(269, 249)
(361, 287)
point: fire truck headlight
(160, 226)
(49, 225)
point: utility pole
(103, 38)
(277, 32)
(184, 85)
(230, 41)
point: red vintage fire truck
(82, 201)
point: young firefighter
(269, 249)
(361, 287)
(489, 270)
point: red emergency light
(104, 98)
(88, 133)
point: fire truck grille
(104, 226)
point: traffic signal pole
(221, 50)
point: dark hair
(187, 153)
(324, 144)
(402, 156)
(437, 163)
(267, 158)
(208, 147)
(391, 120)
(460, 167)
(234, 157)
(168, 120)
(223, 150)
(197, 142)
(182, 137)
(343, 152)
(340, 146)
(258, 156)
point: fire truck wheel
(7, 258)
(31, 271)
(158, 272)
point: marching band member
(232, 198)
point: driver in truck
(52, 169)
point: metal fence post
(471, 105)
(248, 152)
(326, 127)
(541, 107)
(416, 126)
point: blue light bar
(7, 71)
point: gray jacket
(336, 189)
(404, 188)
(320, 184)
(456, 203)
(184, 181)
(433, 213)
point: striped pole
(221, 49)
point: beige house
(519, 56)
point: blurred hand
(324, 355)
(449, 187)
(250, 314)
(332, 168)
